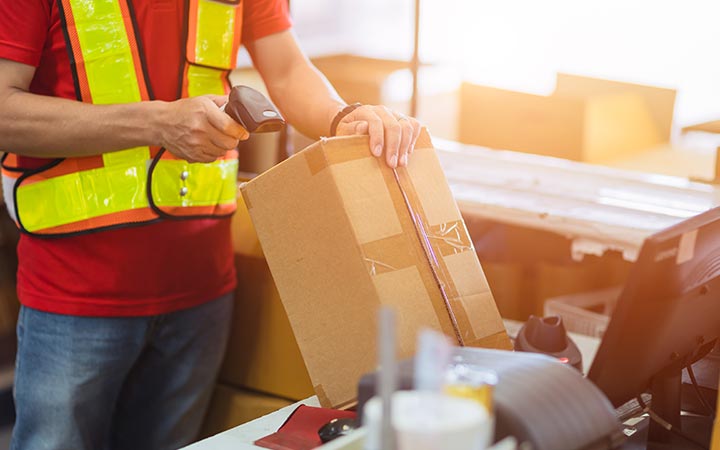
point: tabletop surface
(599, 208)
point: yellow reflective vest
(136, 185)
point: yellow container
(473, 382)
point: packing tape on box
(376, 258)
(453, 241)
(450, 238)
(495, 340)
(435, 241)
(318, 161)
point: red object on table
(300, 430)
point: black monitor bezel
(633, 351)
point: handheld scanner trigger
(253, 110)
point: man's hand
(41, 126)
(197, 130)
(390, 133)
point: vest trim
(68, 47)
(141, 50)
(218, 210)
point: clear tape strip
(431, 257)
(375, 263)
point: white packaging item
(425, 420)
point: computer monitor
(667, 317)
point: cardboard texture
(230, 407)
(262, 353)
(343, 234)
(585, 119)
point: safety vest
(137, 185)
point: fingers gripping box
(343, 234)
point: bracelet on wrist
(340, 115)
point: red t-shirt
(143, 270)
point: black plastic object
(253, 110)
(336, 428)
(548, 335)
(536, 400)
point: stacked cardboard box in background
(230, 407)
(585, 119)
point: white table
(598, 208)
(243, 436)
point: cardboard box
(660, 102)
(230, 407)
(585, 119)
(358, 78)
(336, 228)
(262, 353)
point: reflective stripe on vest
(210, 51)
(211, 41)
(180, 188)
(82, 194)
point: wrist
(332, 111)
(340, 114)
(156, 118)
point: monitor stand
(665, 389)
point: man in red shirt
(123, 328)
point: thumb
(352, 128)
(219, 100)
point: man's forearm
(301, 92)
(311, 111)
(48, 127)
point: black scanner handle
(253, 110)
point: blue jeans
(116, 383)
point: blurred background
(625, 93)
(522, 44)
